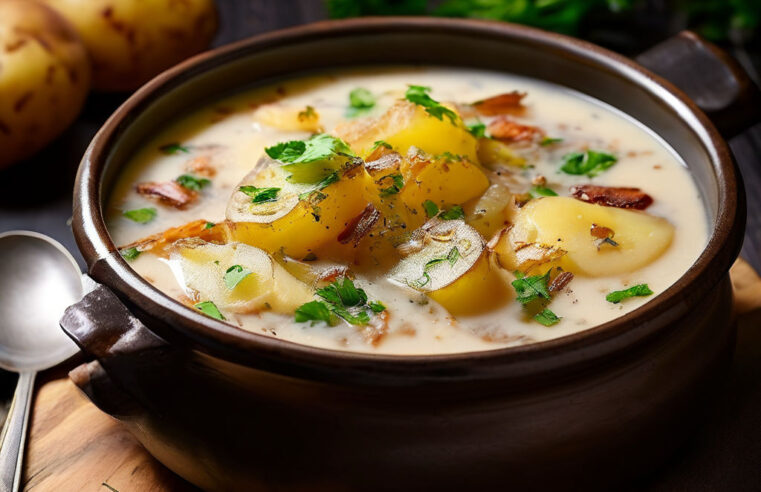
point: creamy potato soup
(408, 211)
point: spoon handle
(14, 434)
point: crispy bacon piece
(201, 166)
(510, 102)
(559, 283)
(360, 225)
(612, 196)
(507, 130)
(377, 329)
(389, 160)
(330, 274)
(168, 192)
(159, 243)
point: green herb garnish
(640, 290)
(590, 163)
(191, 182)
(381, 143)
(307, 113)
(174, 148)
(344, 294)
(396, 187)
(141, 215)
(130, 254)
(537, 191)
(234, 275)
(478, 130)
(361, 98)
(454, 213)
(529, 289)
(314, 194)
(547, 317)
(376, 306)
(260, 195)
(313, 311)
(418, 94)
(209, 309)
(451, 257)
(318, 148)
(209, 225)
(549, 141)
(431, 209)
(343, 299)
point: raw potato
(565, 223)
(130, 41)
(44, 78)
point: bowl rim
(183, 324)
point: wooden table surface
(725, 455)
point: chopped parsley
(173, 148)
(431, 209)
(381, 143)
(140, 215)
(529, 289)
(549, 141)
(640, 290)
(590, 163)
(396, 187)
(478, 130)
(538, 191)
(449, 157)
(308, 113)
(418, 94)
(547, 317)
(451, 258)
(130, 254)
(454, 213)
(234, 275)
(191, 182)
(361, 98)
(318, 148)
(209, 225)
(313, 311)
(314, 194)
(260, 195)
(209, 309)
(376, 306)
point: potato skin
(131, 41)
(44, 77)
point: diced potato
(493, 153)
(289, 119)
(444, 181)
(295, 225)
(491, 212)
(452, 266)
(566, 223)
(407, 125)
(202, 266)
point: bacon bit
(601, 232)
(612, 197)
(168, 192)
(159, 243)
(559, 283)
(521, 199)
(390, 160)
(539, 180)
(201, 166)
(332, 273)
(502, 128)
(377, 329)
(510, 102)
(360, 225)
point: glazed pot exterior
(232, 410)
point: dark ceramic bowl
(233, 410)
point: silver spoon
(38, 280)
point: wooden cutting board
(74, 447)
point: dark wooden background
(724, 455)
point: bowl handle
(710, 77)
(105, 329)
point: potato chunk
(452, 266)
(636, 238)
(238, 278)
(299, 217)
(289, 119)
(407, 125)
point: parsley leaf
(376, 306)
(453, 256)
(260, 195)
(549, 141)
(418, 94)
(640, 290)
(361, 98)
(431, 209)
(547, 317)
(313, 311)
(173, 148)
(130, 253)
(234, 275)
(531, 288)
(538, 191)
(478, 130)
(191, 182)
(454, 213)
(319, 147)
(345, 293)
(590, 163)
(209, 309)
(361, 318)
(381, 143)
(396, 187)
(209, 225)
(141, 215)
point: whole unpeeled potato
(44, 77)
(130, 41)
